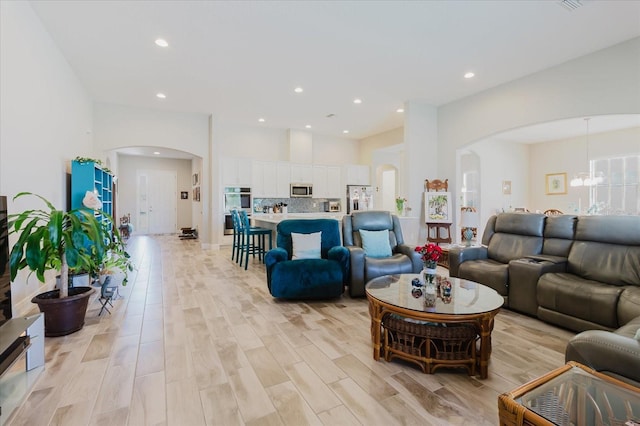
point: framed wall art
(506, 187)
(556, 183)
(438, 207)
(184, 195)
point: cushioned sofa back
(558, 234)
(330, 229)
(516, 235)
(607, 249)
(371, 220)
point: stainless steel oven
(238, 198)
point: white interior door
(157, 201)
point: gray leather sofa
(614, 353)
(580, 273)
(507, 237)
(403, 260)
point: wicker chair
(552, 212)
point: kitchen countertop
(410, 224)
(278, 217)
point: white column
(420, 156)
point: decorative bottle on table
(430, 254)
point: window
(617, 185)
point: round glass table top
(467, 297)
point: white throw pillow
(637, 336)
(306, 246)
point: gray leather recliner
(403, 260)
(507, 237)
(615, 353)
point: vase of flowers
(400, 204)
(430, 254)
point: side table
(571, 395)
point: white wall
(118, 126)
(499, 161)
(251, 142)
(332, 150)
(129, 167)
(45, 117)
(271, 144)
(559, 156)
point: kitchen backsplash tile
(294, 205)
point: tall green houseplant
(55, 239)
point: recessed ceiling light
(469, 75)
(345, 131)
(357, 101)
(400, 110)
(261, 120)
(162, 42)
(161, 95)
(308, 126)
(298, 90)
(156, 153)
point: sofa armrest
(356, 268)
(272, 257)
(457, 255)
(340, 254)
(416, 258)
(523, 281)
(606, 352)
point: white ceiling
(241, 60)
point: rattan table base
(430, 345)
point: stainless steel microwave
(299, 190)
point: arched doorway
(387, 178)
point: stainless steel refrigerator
(359, 197)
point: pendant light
(584, 178)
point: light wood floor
(198, 340)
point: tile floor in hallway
(197, 340)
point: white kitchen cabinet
(301, 173)
(334, 182)
(236, 171)
(283, 178)
(319, 181)
(264, 179)
(358, 175)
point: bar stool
(237, 235)
(248, 244)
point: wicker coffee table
(433, 337)
(571, 395)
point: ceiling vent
(570, 5)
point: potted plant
(59, 240)
(115, 257)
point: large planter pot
(63, 316)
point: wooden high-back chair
(437, 232)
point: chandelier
(586, 178)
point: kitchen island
(271, 220)
(410, 225)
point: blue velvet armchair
(319, 278)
